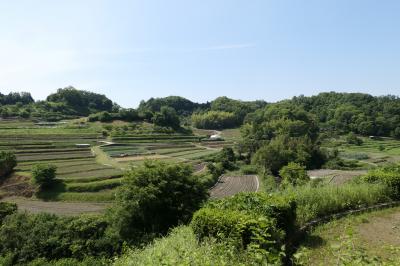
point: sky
(200, 49)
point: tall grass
(181, 247)
(94, 186)
(315, 202)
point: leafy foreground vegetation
(256, 228)
(252, 228)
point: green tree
(155, 197)
(167, 117)
(214, 120)
(351, 138)
(293, 174)
(282, 150)
(43, 175)
(7, 163)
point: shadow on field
(313, 241)
(51, 191)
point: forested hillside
(357, 112)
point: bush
(155, 197)
(293, 174)
(248, 220)
(282, 149)
(240, 230)
(6, 209)
(167, 117)
(388, 175)
(88, 261)
(181, 247)
(355, 155)
(249, 169)
(48, 236)
(316, 202)
(43, 174)
(216, 170)
(7, 163)
(281, 208)
(351, 138)
(339, 163)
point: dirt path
(56, 207)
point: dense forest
(360, 113)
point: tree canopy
(155, 197)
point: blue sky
(200, 49)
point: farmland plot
(134, 150)
(231, 185)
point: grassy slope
(370, 238)
(371, 153)
(182, 248)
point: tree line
(343, 113)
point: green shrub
(389, 175)
(341, 164)
(7, 208)
(240, 230)
(351, 138)
(316, 202)
(7, 163)
(293, 174)
(29, 237)
(355, 155)
(181, 247)
(43, 174)
(280, 208)
(155, 197)
(88, 261)
(215, 169)
(248, 221)
(249, 169)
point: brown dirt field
(335, 176)
(199, 168)
(231, 185)
(384, 230)
(16, 185)
(59, 208)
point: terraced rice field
(231, 185)
(91, 174)
(80, 176)
(135, 149)
(371, 152)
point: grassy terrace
(93, 174)
(131, 149)
(80, 176)
(370, 153)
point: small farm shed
(215, 137)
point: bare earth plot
(335, 176)
(56, 207)
(231, 185)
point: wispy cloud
(228, 47)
